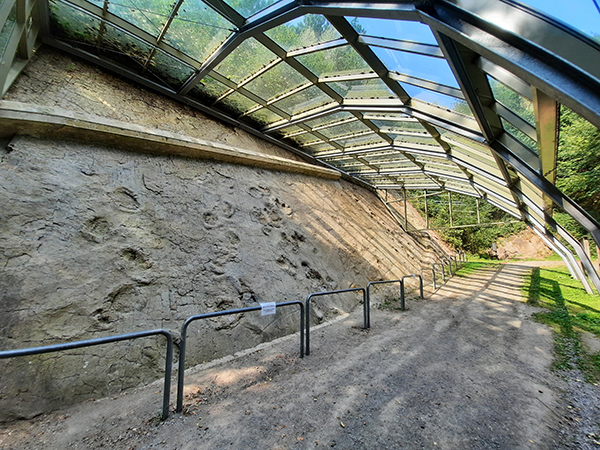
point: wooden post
(478, 216)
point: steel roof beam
(505, 77)
(400, 10)
(547, 121)
(515, 120)
(542, 52)
(402, 45)
(426, 84)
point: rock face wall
(96, 241)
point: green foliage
(569, 311)
(578, 173)
(476, 239)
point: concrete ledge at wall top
(44, 121)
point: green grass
(473, 266)
(569, 311)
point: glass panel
(371, 139)
(247, 8)
(451, 184)
(236, 104)
(264, 117)
(400, 136)
(582, 15)
(305, 138)
(238, 65)
(420, 66)
(394, 29)
(425, 139)
(344, 129)
(450, 169)
(320, 147)
(304, 100)
(276, 81)
(169, 69)
(362, 89)
(389, 126)
(335, 61)
(435, 98)
(208, 90)
(125, 48)
(303, 32)
(7, 29)
(148, 15)
(474, 146)
(198, 30)
(329, 119)
(513, 101)
(70, 23)
(518, 134)
(396, 160)
(290, 130)
(391, 117)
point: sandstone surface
(96, 240)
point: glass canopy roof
(401, 95)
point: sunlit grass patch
(569, 311)
(471, 267)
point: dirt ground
(465, 368)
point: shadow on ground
(463, 369)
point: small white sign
(267, 308)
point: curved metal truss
(395, 95)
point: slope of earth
(465, 368)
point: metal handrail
(414, 275)
(443, 270)
(432, 268)
(189, 320)
(106, 340)
(366, 312)
(449, 264)
(452, 258)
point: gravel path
(464, 369)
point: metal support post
(426, 212)
(450, 206)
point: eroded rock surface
(96, 241)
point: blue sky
(580, 14)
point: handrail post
(432, 268)
(107, 340)
(366, 311)
(421, 286)
(181, 366)
(447, 259)
(307, 350)
(402, 302)
(443, 270)
(168, 372)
